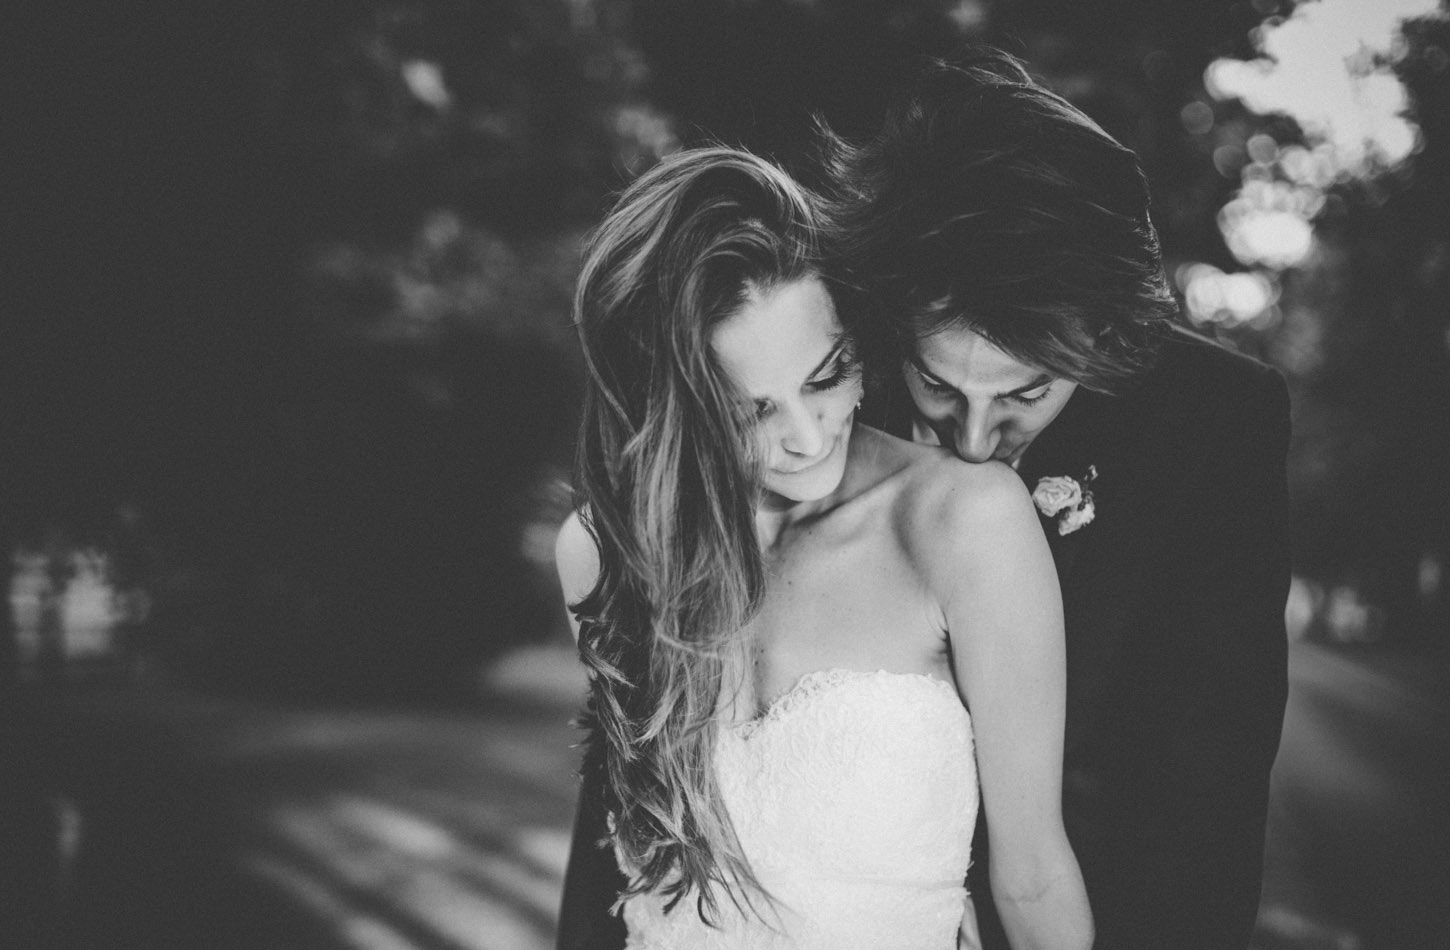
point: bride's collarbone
(853, 572)
(866, 532)
(872, 511)
(867, 580)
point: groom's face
(979, 401)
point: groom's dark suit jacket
(1176, 648)
(1174, 601)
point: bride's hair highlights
(668, 480)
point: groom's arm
(592, 882)
(1222, 606)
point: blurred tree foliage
(1361, 327)
(1366, 344)
(303, 275)
(292, 282)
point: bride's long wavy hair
(668, 481)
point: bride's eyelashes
(843, 369)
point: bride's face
(788, 352)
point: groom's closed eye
(1026, 395)
(1036, 392)
(930, 382)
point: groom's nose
(976, 436)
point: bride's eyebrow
(839, 341)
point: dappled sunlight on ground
(188, 821)
(319, 828)
(369, 861)
(457, 837)
(1357, 824)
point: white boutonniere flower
(1067, 499)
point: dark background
(286, 322)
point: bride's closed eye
(843, 368)
(840, 368)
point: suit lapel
(1085, 437)
(1087, 433)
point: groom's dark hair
(989, 203)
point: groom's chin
(1013, 457)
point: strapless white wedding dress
(854, 797)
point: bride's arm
(576, 558)
(592, 880)
(994, 580)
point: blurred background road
(1359, 832)
(184, 821)
(189, 821)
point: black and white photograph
(726, 475)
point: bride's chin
(793, 489)
(816, 481)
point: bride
(810, 643)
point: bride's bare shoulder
(884, 456)
(576, 558)
(937, 500)
(950, 508)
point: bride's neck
(770, 523)
(776, 515)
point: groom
(1007, 238)
(1008, 241)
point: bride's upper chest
(843, 612)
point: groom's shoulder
(1190, 361)
(1199, 378)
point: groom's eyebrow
(924, 370)
(1038, 382)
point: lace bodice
(854, 797)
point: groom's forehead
(960, 355)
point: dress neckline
(811, 684)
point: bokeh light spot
(1197, 118)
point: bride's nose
(801, 431)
